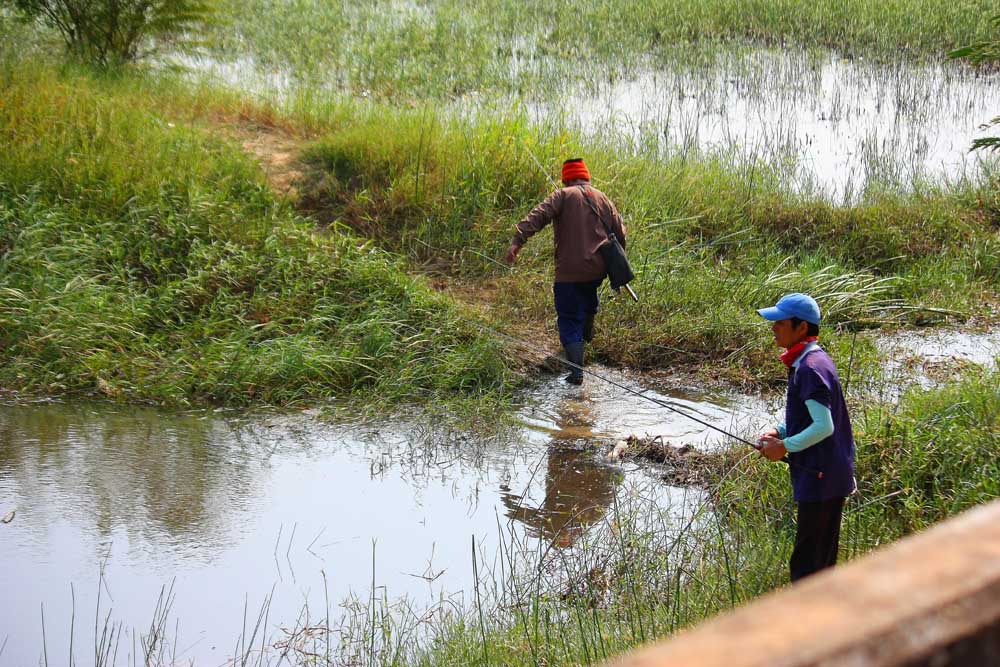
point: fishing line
(642, 394)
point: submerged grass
(406, 50)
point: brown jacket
(578, 232)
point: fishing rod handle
(818, 473)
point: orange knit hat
(574, 169)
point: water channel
(222, 512)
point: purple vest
(816, 379)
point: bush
(104, 32)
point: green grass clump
(937, 455)
(147, 260)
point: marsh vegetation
(754, 148)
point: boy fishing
(816, 434)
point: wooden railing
(929, 600)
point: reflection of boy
(816, 434)
(577, 494)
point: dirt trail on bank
(278, 149)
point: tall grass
(711, 239)
(146, 260)
(179, 231)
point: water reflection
(578, 490)
(229, 510)
(126, 467)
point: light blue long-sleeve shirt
(821, 428)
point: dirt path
(277, 150)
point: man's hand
(512, 253)
(771, 447)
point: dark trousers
(574, 302)
(817, 537)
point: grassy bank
(148, 260)
(711, 238)
(644, 575)
(144, 259)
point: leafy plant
(980, 53)
(104, 32)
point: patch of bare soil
(277, 155)
(276, 148)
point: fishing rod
(642, 394)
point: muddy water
(226, 510)
(928, 358)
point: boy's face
(785, 335)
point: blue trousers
(574, 302)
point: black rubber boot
(574, 355)
(588, 328)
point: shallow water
(943, 346)
(828, 125)
(928, 358)
(228, 511)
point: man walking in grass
(816, 435)
(579, 233)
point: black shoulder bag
(619, 271)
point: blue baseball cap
(792, 305)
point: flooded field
(827, 125)
(196, 523)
